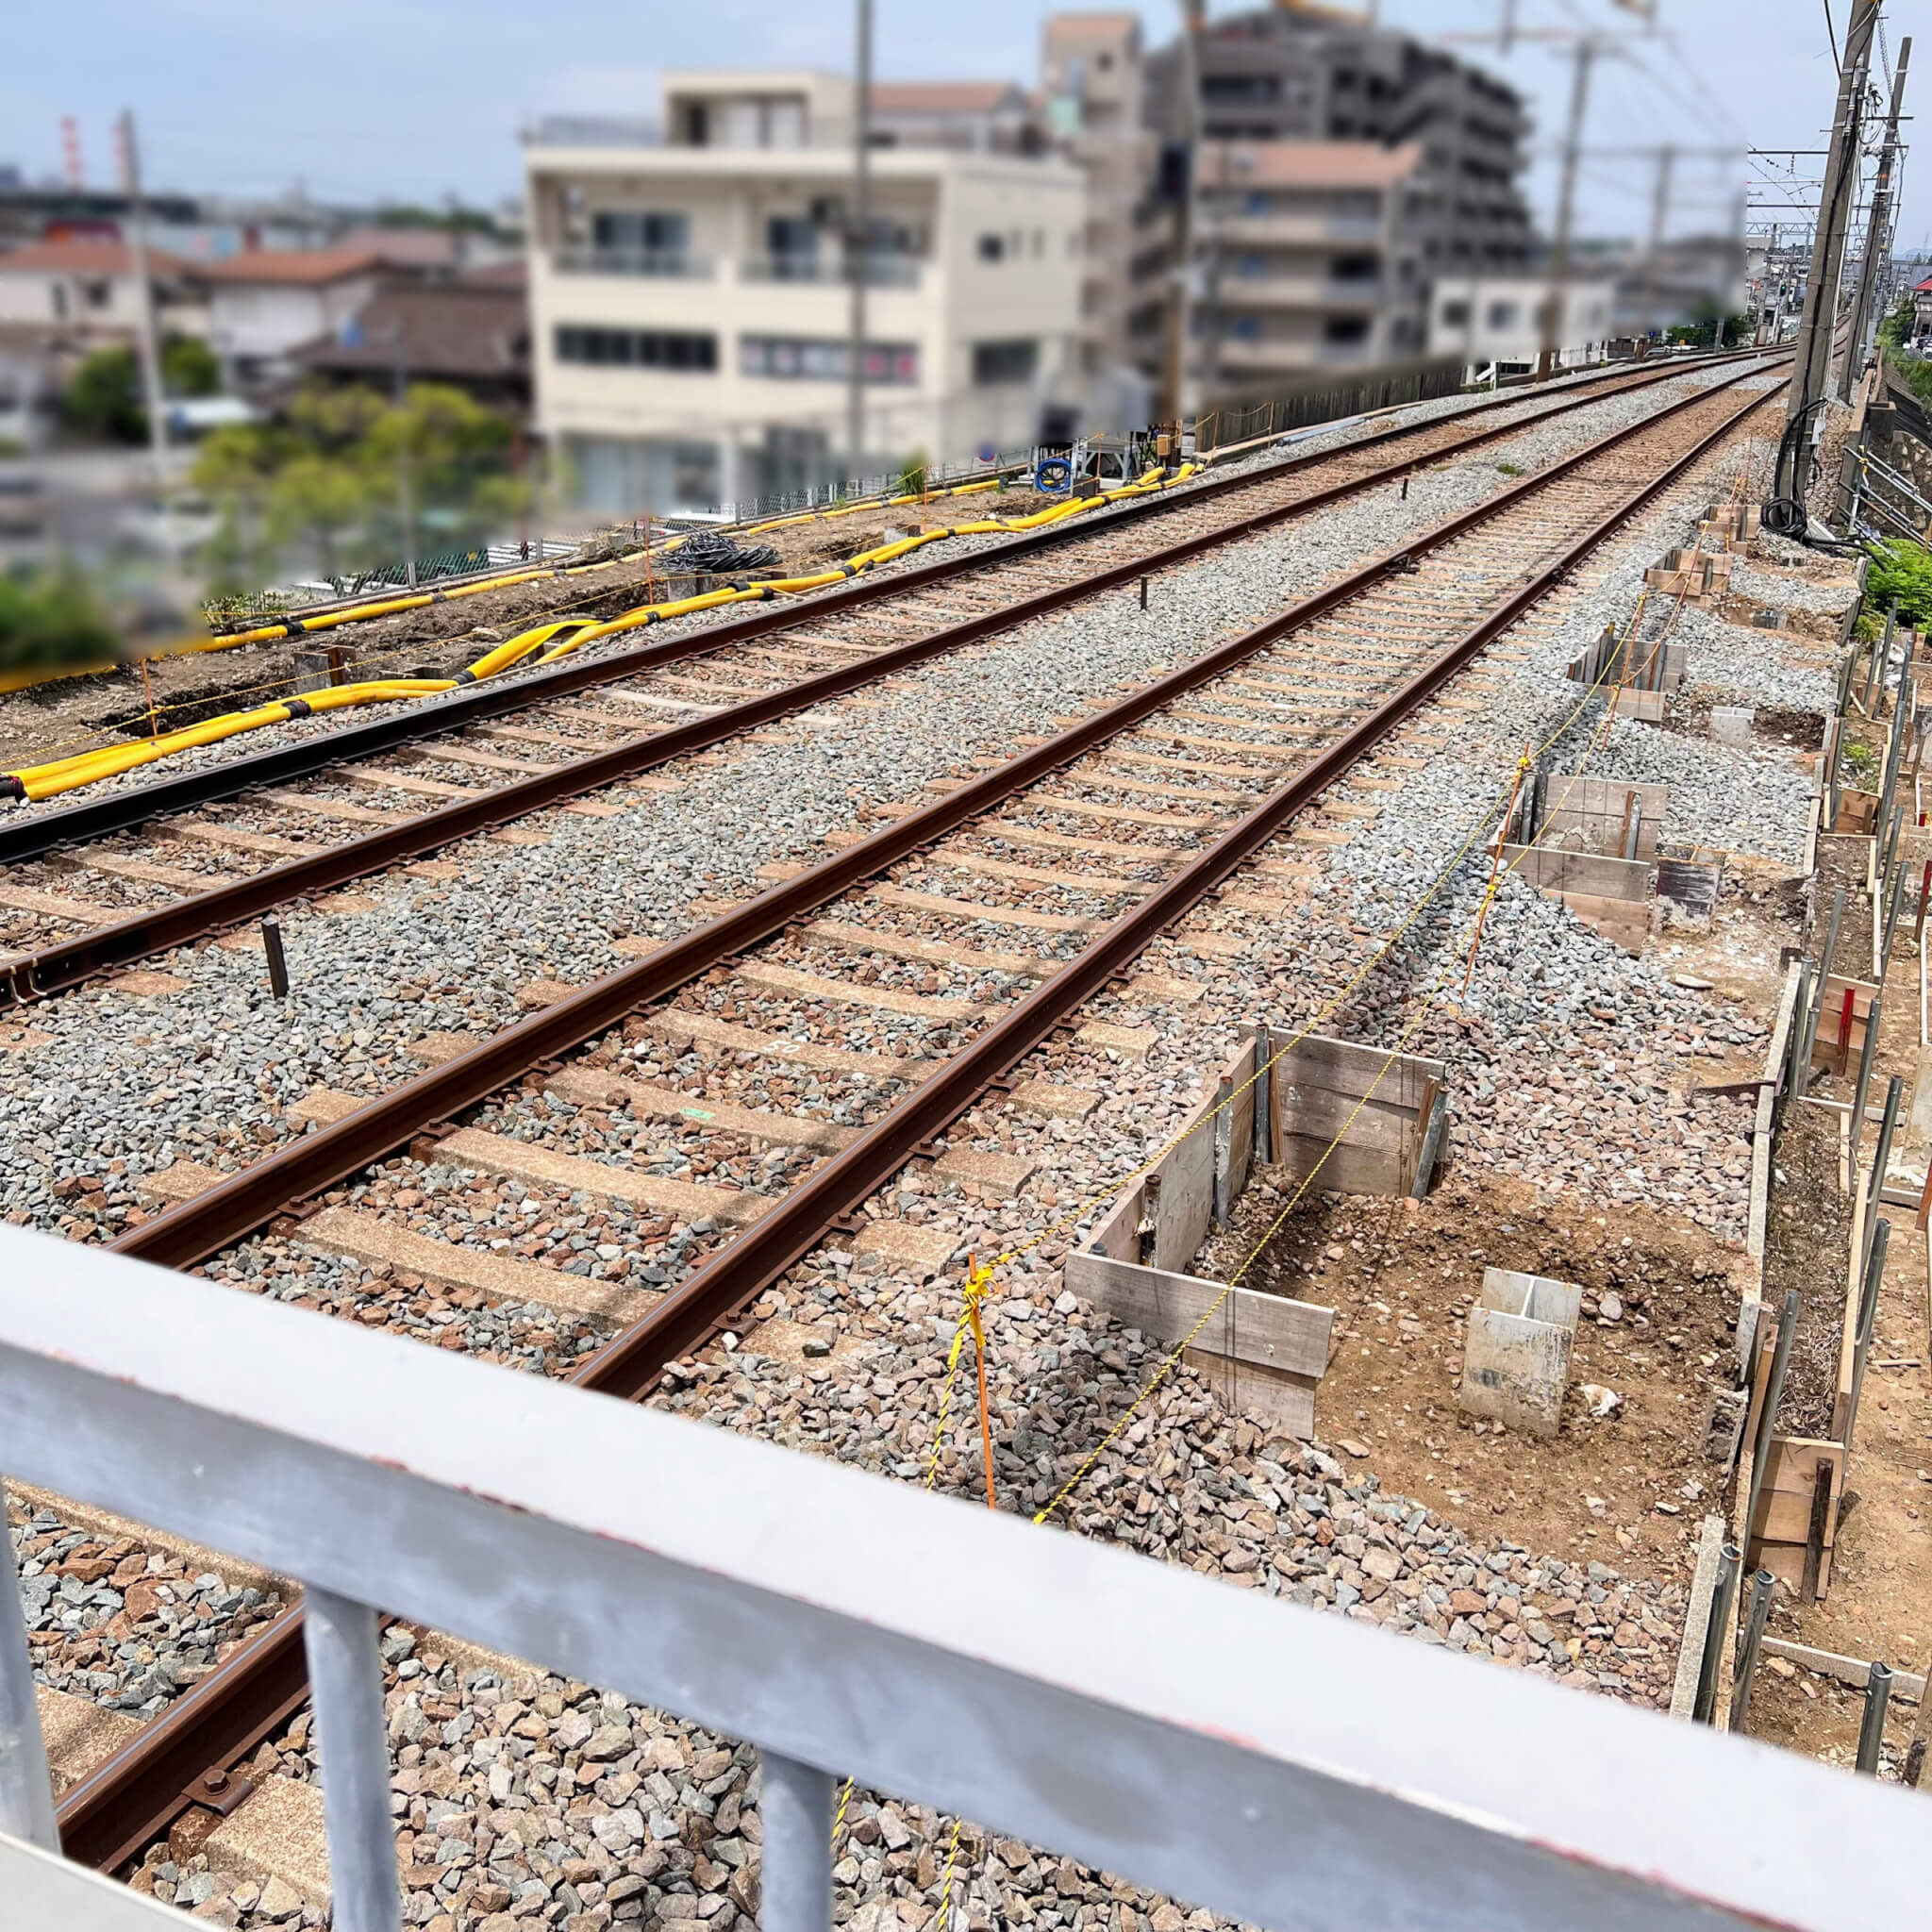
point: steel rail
(130, 1800)
(117, 811)
(63, 963)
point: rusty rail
(67, 962)
(130, 1800)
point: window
(798, 358)
(1353, 268)
(992, 247)
(1346, 328)
(1456, 316)
(635, 348)
(1010, 361)
(1243, 88)
(1245, 328)
(1500, 315)
(58, 291)
(98, 295)
(792, 242)
(621, 232)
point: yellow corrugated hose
(546, 641)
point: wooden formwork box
(1268, 1352)
(1839, 1043)
(1599, 815)
(1781, 1528)
(1857, 814)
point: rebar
(1716, 1633)
(1748, 1646)
(1774, 1395)
(1871, 1731)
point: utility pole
(405, 505)
(1585, 58)
(1812, 365)
(144, 316)
(859, 242)
(1660, 214)
(1878, 232)
(1174, 339)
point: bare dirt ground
(70, 714)
(1628, 1489)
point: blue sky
(415, 99)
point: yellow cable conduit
(542, 645)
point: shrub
(1901, 570)
(52, 622)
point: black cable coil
(714, 552)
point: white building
(266, 303)
(689, 307)
(1499, 319)
(86, 292)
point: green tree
(52, 620)
(321, 498)
(105, 400)
(102, 399)
(189, 367)
(1901, 570)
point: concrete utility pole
(1877, 233)
(1585, 58)
(1660, 214)
(144, 311)
(1174, 361)
(406, 508)
(858, 242)
(1812, 366)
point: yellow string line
(1474, 933)
(839, 1821)
(1076, 1215)
(945, 1914)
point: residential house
(472, 333)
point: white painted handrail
(1283, 1766)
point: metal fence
(1286, 1767)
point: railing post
(345, 1680)
(795, 1876)
(26, 1793)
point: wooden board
(1596, 808)
(1273, 1351)
(1240, 1138)
(1782, 1526)
(1552, 870)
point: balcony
(1291, 230)
(882, 272)
(1358, 292)
(673, 264)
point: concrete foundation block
(1516, 1353)
(1731, 723)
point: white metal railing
(1286, 1767)
(672, 262)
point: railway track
(747, 1088)
(141, 869)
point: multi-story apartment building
(1294, 72)
(1309, 255)
(689, 294)
(1093, 86)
